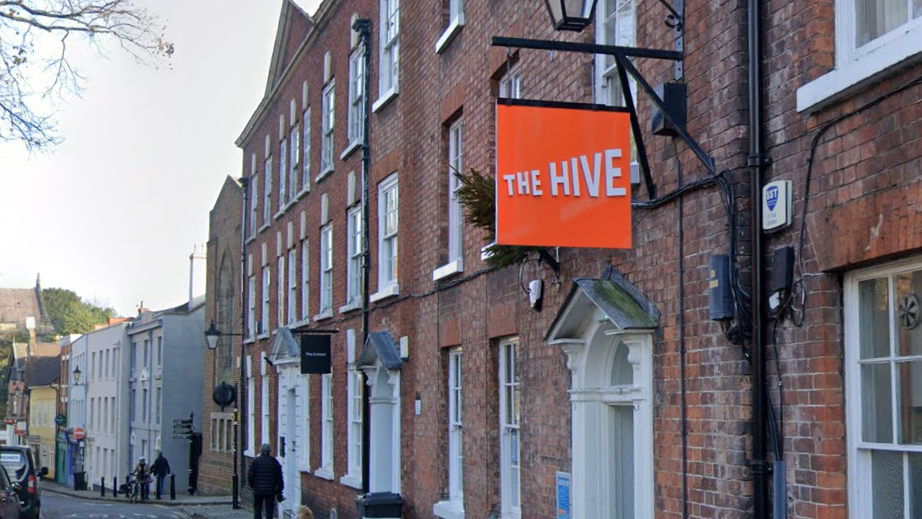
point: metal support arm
(625, 66)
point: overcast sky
(115, 211)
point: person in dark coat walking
(265, 478)
(161, 469)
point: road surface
(55, 506)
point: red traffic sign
(79, 433)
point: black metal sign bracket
(622, 56)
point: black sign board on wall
(315, 355)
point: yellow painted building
(42, 429)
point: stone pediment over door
(610, 297)
(380, 348)
(285, 349)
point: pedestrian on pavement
(142, 472)
(161, 469)
(265, 478)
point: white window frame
(455, 423)
(283, 174)
(280, 292)
(326, 272)
(510, 86)
(292, 285)
(356, 100)
(510, 431)
(267, 196)
(607, 83)
(306, 156)
(354, 267)
(328, 126)
(455, 23)
(294, 165)
(266, 289)
(305, 280)
(353, 477)
(251, 307)
(860, 473)
(264, 402)
(455, 214)
(453, 508)
(254, 203)
(251, 408)
(388, 269)
(326, 429)
(388, 53)
(857, 66)
(304, 431)
(623, 15)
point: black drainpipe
(363, 26)
(681, 319)
(757, 162)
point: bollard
(172, 487)
(235, 497)
(114, 486)
(102, 487)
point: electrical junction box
(776, 205)
(675, 100)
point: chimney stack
(192, 257)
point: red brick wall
(864, 208)
(217, 468)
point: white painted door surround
(606, 329)
(292, 412)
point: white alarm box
(776, 205)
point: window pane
(917, 9)
(622, 372)
(874, 318)
(514, 469)
(908, 286)
(909, 393)
(887, 484)
(876, 407)
(874, 18)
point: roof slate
(18, 303)
(42, 371)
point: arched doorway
(606, 329)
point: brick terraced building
(482, 405)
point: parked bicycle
(131, 489)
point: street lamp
(77, 374)
(211, 336)
(570, 15)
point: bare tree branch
(35, 69)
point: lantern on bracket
(571, 15)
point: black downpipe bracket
(756, 163)
(363, 26)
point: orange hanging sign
(562, 175)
